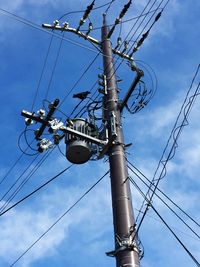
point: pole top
(104, 19)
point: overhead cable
(155, 181)
(149, 204)
(164, 202)
(60, 218)
(54, 66)
(160, 191)
(25, 180)
(36, 190)
(42, 73)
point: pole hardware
(113, 124)
(84, 138)
(80, 135)
(123, 103)
(123, 244)
(65, 27)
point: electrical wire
(160, 191)
(60, 218)
(109, 6)
(177, 238)
(19, 145)
(54, 66)
(16, 181)
(172, 147)
(25, 180)
(42, 73)
(36, 190)
(149, 204)
(80, 11)
(158, 8)
(79, 79)
(124, 21)
(12, 167)
(164, 202)
(38, 27)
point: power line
(109, 6)
(169, 155)
(127, 20)
(6, 193)
(54, 66)
(79, 79)
(42, 73)
(36, 190)
(38, 27)
(25, 180)
(80, 11)
(177, 238)
(159, 190)
(60, 218)
(149, 204)
(165, 204)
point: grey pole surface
(123, 217)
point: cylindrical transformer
(78, 150)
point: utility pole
(81, 137)
(126, 250)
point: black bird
(81, 95)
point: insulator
(119, 41)
(125, 9)
(28, 121)
(90, 26)
(88, 10)
(56, 139)
(126, 45)
(56, 22)
(158, 16)
(44, 145)
(41, 112)
(66, 25)
(78, 150)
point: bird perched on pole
(81, 95)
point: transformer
(78, 150)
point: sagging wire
(160, 191)
(80, 11)
(185, 109)
(16, 181)
(143, 94)
(129, 50)
(149, 204)
(38, 27)
(28, 145)
(60, 218)
(127, 20)
(42, 73)
(25, 180)
(155, 181)
(164, 202)
(54, 66)
(140, 95)
(79, 79)
(36, 190)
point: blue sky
(85, 234)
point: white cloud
(24, 225)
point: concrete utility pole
(126, 250)
(79, 135)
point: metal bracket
(124, 244)
(113, 124)
(66, 28)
